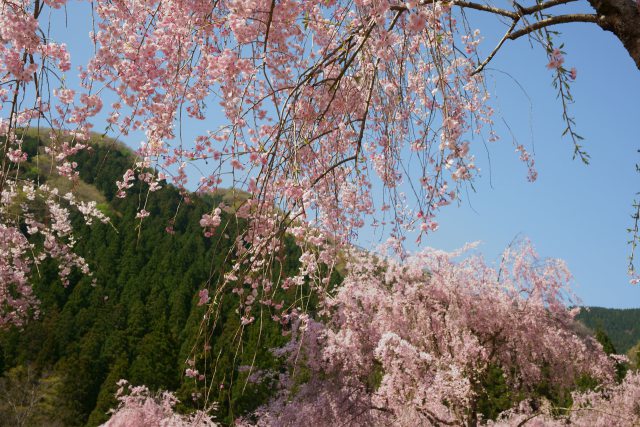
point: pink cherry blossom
(203, 297)
(556, 59)
(139, 407)
(430, 327)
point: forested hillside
(140, 319)
(621, 325)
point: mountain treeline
(621, 325)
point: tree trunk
(622, 18)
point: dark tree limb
(544, 5)
(554, 20)
(497, 48)
(266, 34)
(622, 18)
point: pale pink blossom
(556, 59)
(203, 297)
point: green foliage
(634, 356)
(375, 377)
(140, 321)
(608, 347)
(29, 398)
(494, 397)
(621, 325)
(604, 339)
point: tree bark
(622, 18)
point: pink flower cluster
(138, 407)
(17, 302)
(556, 59)
(612, 405)
(210, 221)
(50, 226)
(429, 329)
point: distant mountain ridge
(621, 325)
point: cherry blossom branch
(484, 8)
(266, 34)
(497, 48)
(359, 143)
(529, 418)
(541, 6)
(635, 237)
(599, 411)
(516, 17)
(465, 4)
(555, 20)
(434, 419)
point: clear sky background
(575, 212)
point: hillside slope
(621, 325)
(141, 320)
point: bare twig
(497, 48)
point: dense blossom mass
(414, 343)
(322, 101)
(139, 407)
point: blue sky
(575, 212)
